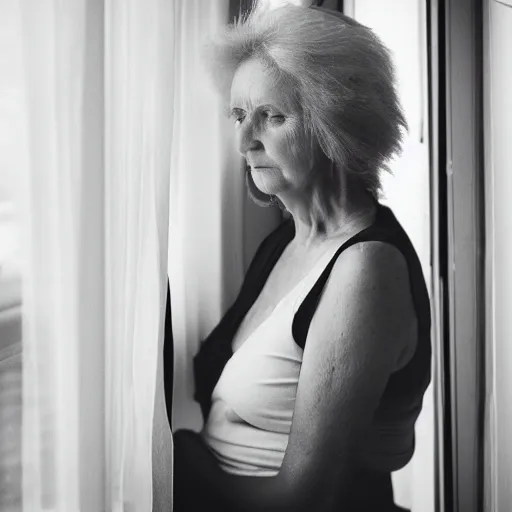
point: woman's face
(269, 131)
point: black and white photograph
(255, 255)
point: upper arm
(360, 328)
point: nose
(247, 139)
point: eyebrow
(230, 111)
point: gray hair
(342, 73)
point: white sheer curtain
(95, 168)
(138, 97)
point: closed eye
(272, 117)
(277, 117)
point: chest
(278, 285)
(290, 271)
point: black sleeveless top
(405, 387)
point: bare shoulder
(371, 275)
(366, 306)
(370, 261)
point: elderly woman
(312, 382)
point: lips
(255, 165)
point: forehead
(255, 84)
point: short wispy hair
(341, 72)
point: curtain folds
(63, 339)
(138, 134)
(95, 182)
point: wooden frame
(497, 18)
(465, 254)
(437, 248)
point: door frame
(462, 274)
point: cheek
(300, 149)
(292, 146)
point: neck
(320, 215)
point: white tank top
(253, 402)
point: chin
(267, 182)
(258, 197)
